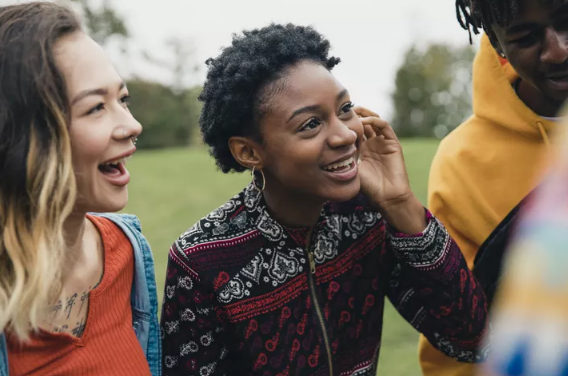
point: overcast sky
(370, 36)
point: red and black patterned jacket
(245, 295)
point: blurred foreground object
(530, 323)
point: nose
(341, 135)
(126, 125)
(555, 49)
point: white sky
(370, 36)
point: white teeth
(334, 166)
(117, 161)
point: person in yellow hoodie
(486, 166)
(530, 313)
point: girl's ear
(247, 153)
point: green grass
(172, 189)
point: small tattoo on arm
(70, 304)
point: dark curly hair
(474, 15)
(235, 94)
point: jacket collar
(269, 227)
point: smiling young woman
(289, 277)
(77, 291)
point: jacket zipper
(312, 288)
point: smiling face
(310, 136)
(102, 128)
(536, 44)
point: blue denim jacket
(143, 298)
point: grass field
(172, 189)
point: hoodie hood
(495, 100)
(484, 168)
(488, 164)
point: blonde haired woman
(77, 291)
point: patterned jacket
(245, 295)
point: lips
(558, 81)
(342, 170)
(114, 170)
(339, 166)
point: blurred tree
(180, 64)
(167, 115)
(102, 20)
(432, 90)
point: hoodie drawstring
(543, 134)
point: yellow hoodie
(482, 170)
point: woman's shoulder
(129, 220)
(129, 228)
(128, 224)
(224, 227)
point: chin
(561, 97)
(557, 96)
(117, 204)
(344, 193)
(115, 207)
(109, 204)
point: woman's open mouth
(115, 171)
(345, 170)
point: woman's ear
(247, 153)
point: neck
(74, 229)
(293, 209)
(536, 101)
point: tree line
(432, 92)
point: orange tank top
(108, 345)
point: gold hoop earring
(254, 180)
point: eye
(125, 99)
(345, 112)
(313, 123)
(527, 40)
(347, 107)
(97, 108)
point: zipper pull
(312, 262)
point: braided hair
(474, 15)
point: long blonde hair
(37, 183)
